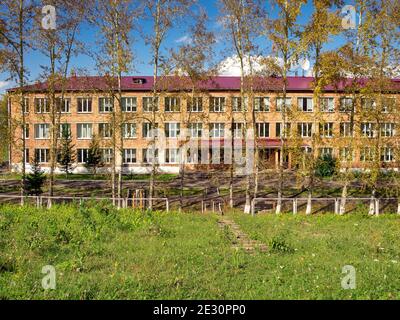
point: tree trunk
(372, 208)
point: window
(42, 131)
(368, 104)
(196, 130)
(387, 129)
(305, 104)
(238, 130)
(387, 154)
(326, 151)
(105, 130)
(261, 104)
(280, 101)
(195, 104)
(278, 130)
(129, 156)
(26, 105)
(27, 158)
(82, 155)
(305, 130)
(237, 104)
(63, 106)
(106, 104)
(217, 104)
(150, 155)
(65, 130)
(42, 155)
(217, 130)
(172, 104)
(327, 104)
(262, 130)
(172, 130)
(194, 155)
(26, 131)
(326, 130)
(129, 130)
(346, 105)
(147, 104)
(366, 154)
(84, 105)
(367, 129)
(172, 155)
(129, 104)
(42, 105)
(148, 131)
(388, 104)
(106, 155)
(85, 130)
(346, 130)
(345, 154)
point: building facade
(195, 126)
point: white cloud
(184, 39)
(4, 84)
(231, 65)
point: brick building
(88, 107)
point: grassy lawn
(102, 253)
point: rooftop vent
(139, 80)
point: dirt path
(241, 239)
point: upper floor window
(261, 104)
(305, 129)
(387, 129)
(305, 104)
(42, 131)
(346, 105)
(63, 105)
(346, 154)
(129, 130)
(42, 105)
(326, 130)
(280, 102)
(196, 130)
(172, 104)
(129, 104)
(217, 104)
(150, 155)
(368, 104)
(26, 105)
(262, 130)
(106, 104)
(148, 131)
(65, 130)
(105, 130)
(217, 130)
(172, 130)
(195, 104)
(389, 104)
(84, 105)
(346, 130)
(279, 131)
(327, 104)
(237, 104)
(148, 104)
(84, 130)
(26, 131)
(367, 129)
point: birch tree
(16, 23)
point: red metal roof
(174, 83)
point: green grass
(103, 253)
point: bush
(326, 166)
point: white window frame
(262, 129)
(147, 104)
(327, 104)
(86, 104)
(345, 130)
(261, 104)
(195, 105)
(279, 103)
(217, 104)
(388, 130)
(326, 130)
(309, 107)
(217, 130)
(172, 104)
(305, 127)
(196, 129)
(42, 131)
(346, 105)
(237, 105)
(83, 154)
(105, 130)
(172, 156)
(130, 156)
(129, 104)
(106, 104)
(368, 129)
(172, 129)
(42, 155)
(106, 155)
(61, 129)
(41, 105)
(84, 128)
(129, 130)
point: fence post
(294, 206)
(37, 202)
(167, 204)
(202, 206)
(336, 206)
(377, 207)
(213, 206)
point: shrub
(326, 166)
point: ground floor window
(42, 155)
(129, 156)
(82, 155)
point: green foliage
(35, 180)
(279, 245)
(66, 155)
(94, 158)
(325, 166)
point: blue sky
(142, 65)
